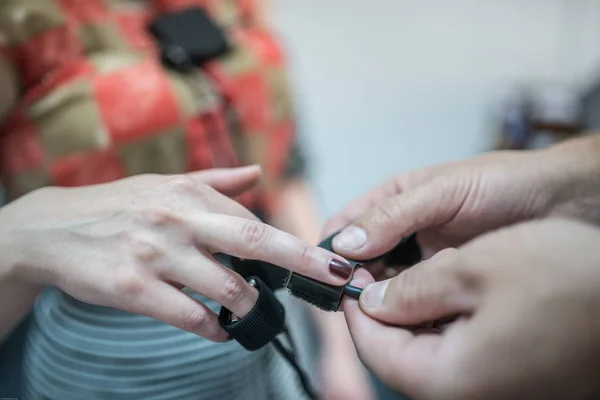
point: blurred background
(392, 85)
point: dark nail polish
(340, 268)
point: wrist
(17, 294)
(574, 186)
(11, 262)
(14, 255)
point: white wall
(391, 85)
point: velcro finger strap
(261, 325)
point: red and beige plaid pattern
(96, 104)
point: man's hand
(133, 244)
(450, 204)
(528, 305)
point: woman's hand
(447, 205)
(133, 244)
(343, 377)
(528, 298)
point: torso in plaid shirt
(96, 105)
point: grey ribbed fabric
(77, 351)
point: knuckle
(383, 214)
(143, 246)
(196, 320)
(254, 233)
(233, 289)
(160, 216)
(129, 282)
(456, 267)
(410, 294)
(181, 184)
(306, 254)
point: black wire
(291, 358)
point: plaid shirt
(95, 103)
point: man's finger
(171, 306)
(254, 240)
(436, 288)
(383, 226)
(404, 361)
(229, 181)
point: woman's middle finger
(201, 273)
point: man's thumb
(434, 289)
(383, 227)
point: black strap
(261, 325)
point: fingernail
(351, 238)
(373, 294)
(340, 268)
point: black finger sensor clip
(329, 297)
